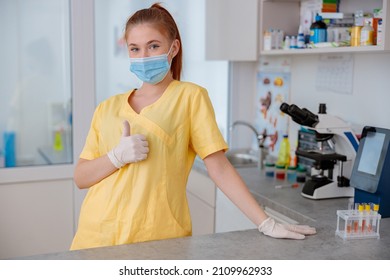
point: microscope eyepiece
(322, 108)
(284, 108)
(300, 116)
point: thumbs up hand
(131, 148)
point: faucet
(263, 151)
(260, 137)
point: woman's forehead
(143, 33)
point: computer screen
(370, 159)
(371, 152)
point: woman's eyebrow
(153, 41)
(148, 43)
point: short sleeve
(205, 138)
(91, 146)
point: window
(35, 89)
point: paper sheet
(335, 73)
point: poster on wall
(273, 88)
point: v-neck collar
(148, 107)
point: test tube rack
(353, 225)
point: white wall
(242, 102)
(367, 105)
(369, 102)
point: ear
(175, 47)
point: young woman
(142, 144)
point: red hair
(164, 22)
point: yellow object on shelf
(58, 146)
(355, 35)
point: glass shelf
(371, 49)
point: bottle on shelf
(359, 18)
(293, 42)
(300, 38)
(355, 35)
(378, 27)
(9, 139)
(277, 39)
(58, 143)
(318, 32)
(280, 38)
(356, 29)
(267, 38)
(287, 43)
(379, 33)
(367, 35)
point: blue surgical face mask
(151, 70)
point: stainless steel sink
(242, 158)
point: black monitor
(370, 174)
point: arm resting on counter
(230, 183)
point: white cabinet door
(202, 215)
(35, 218)
(201, 200)
(232, 30)
(228, 217)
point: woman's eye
(133, 49)
(154, 46)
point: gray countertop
(250, 244)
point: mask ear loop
(170, 49)
(169, 53)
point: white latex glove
(131, 148)
(271, 228)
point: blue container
(291, 174)
(9, 148)
(318, 31)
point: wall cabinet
(285, 15)
(232, 30)
(201, 200)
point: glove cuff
(114, 160)
(267, 225)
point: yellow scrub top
(147, 200)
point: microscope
(332, 169)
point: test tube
(367, 213)
(375, 208)
(361, 218)
(349, 221)
(356, 222)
